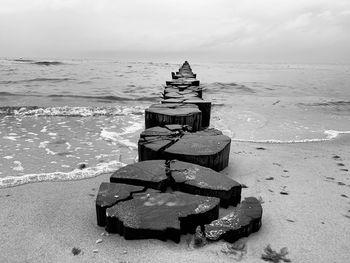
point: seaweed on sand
(237, 250)
(274, 256)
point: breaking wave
(71, 111)
(119, 137)
(330, 135)
(76, 174)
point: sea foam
(330, 135)
(76, 174)
(71, 111)
(120, 137)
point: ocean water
(74, 119)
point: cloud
(216, 29)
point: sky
(300, 31)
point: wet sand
(304, 187)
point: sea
(71, 119)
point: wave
(71, 111)
(338, 105)
(55, 80)
(76, 174)
(24, 60)
(229, 87)
(330, 135)
(119, 137)
(108, 97)
(48, 79)
(40, 62)
(5, 93)
(328, 103)
(48, 63)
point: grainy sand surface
(42, 222)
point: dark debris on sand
(82, 166)
(76, 251)
(199, 238)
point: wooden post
(208, 148)
(183, 114)
(244, 220)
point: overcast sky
(213, 30)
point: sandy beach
(82, 81)
(43, 222)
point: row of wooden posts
(178, 127)
(175, 187)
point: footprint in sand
(260, 148)
(338, 158)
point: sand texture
(304, 187)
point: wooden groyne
(175, 187)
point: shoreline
(88, 173)
(46, 220)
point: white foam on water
(330, 135)
(77, 174)
(119, 137)
(43, 144)
(11, 138)
(116, 138)
(48, 151)
(79, 111)
(68, 145)
(18, 166)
